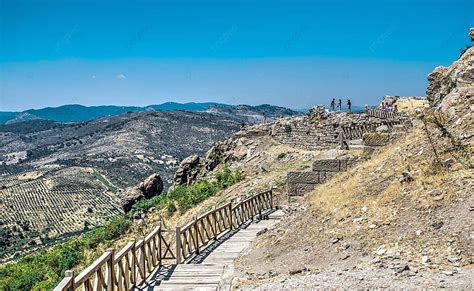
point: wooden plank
(191, 281)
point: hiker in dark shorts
(339, 104)
(349, 105)
(333, 104)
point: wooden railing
(192, 237)
(122, 270)
(381, 113)
(247, 209)
(130, 266)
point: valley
(59, 179)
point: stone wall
(327, 131)
(300, 182)
(302, 133)
(333, 165)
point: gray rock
(152, 186)
(448, 273)
(406, 177)
(187, 171)
(131, 196)
(425, 260)
(382, 128)
(401, 268)
(435, 192)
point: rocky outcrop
(455, 79)
(451, 92)
(187, 171)
(193, 168)
(226, 152)
(152, 186)
(131, 196)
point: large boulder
(187, 171)
(131, 196)
(152, 186)
(455, 79)
(451, 91)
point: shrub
(185, 197)
(44, 270)
(281, 156)
(228, 178)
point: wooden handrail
(124, 251)
(86, 274)
(67, 283)
(123, 270)
(130, 266)
(197, 233)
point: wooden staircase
(203, 250)
(213, 270)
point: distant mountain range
(77, 113)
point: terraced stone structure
(301, 182)
(325, 130)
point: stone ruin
(319, 130)
(301, 182)
(324, 130)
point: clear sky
(289, 53)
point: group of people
(339, 104)
(385, 106)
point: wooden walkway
(212, 268)
(203, 250)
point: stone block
(376, 139)
(301, 182)
(303, 177)
(331, 165)
(301, 189)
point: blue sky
(289, 53)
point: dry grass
(368, 206)
(410, 105)
(266, 152)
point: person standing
(333, 104)
(339, 104)
(349, 105)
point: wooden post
(196, 236)
(178, 245)
(160, 237)
(251, 209)
(214, 220)
(230, 215)
(110, 273)
(271, 196)
(70, 274)
(134, 265)
(142, 258)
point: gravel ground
(369, 279)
